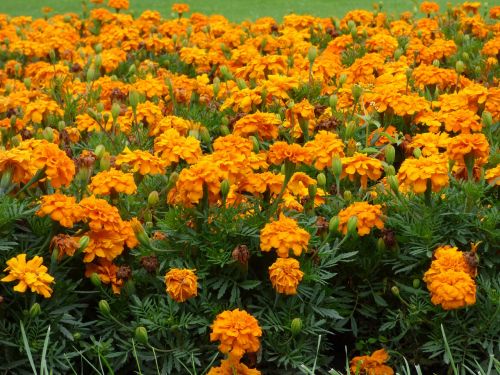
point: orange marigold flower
(39, 109)
(323, 147)
(180, 8)
(430, 143)
(118, 4)
(182, 284)
(463, 120)
(59, 168)
(363, 166)
(372, 364)
(495, 12)
(237, 331)
(18, 162)
(285, 275)
(232, 367)
(103, 244)
(142, 162)
(100, 214)
(106, 270)
(451, 289)
(448, 258)
(414, 173)
(61, 208)
(284, 235)
(295, 153)
(65, 245)
(493, 175)
(112, 181)
(171, 147)
(31, 274)
(264, 125)
(368, 216)
(465, 145)
(429, 7)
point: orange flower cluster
(415, 174)
(284, 235)
(362, 166)
(450, 279)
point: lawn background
(235, 10)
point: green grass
(235, 10)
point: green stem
(428, 194)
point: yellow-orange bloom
(237, 331)
(414, 173)
(118, 4)
(493, 175)
(452, 289)
(323, 147)
(170, 146)
(464, 145)
(61, 208)
(141, 162)
(284, 235)
(448, 258)
(264, 125)
(373, 364)
(363, 166)
(295, 153)
(285, 275)
(106, 270)
(369, 216)
(429, 7)
(31, 274)
(112, 181)
(232, 367)
(180, 8)
(182, 284)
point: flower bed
(190, 195)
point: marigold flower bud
(357, 91)
(48, 134)
(141, 335)
(416, 283)
(460, 66)
(417, 153)
(99, 151)
(390, 170)
(255, 144)
(395, 291)
(140, 233)
(153, 198)
(390, 154)
(321, 178)
(205, 135)
(35, 310)
(349, 130)
(296, 326)
(226, 74)
(312, 54)
(224, 130)
(347, 195)
(336, 166)
(224, 188)
(98, 48)
(342, 79)
(393, 183)
(104, 307)
(398, 53)
(105, 162)
(436, 63)
(91, 74)
(27, 83)
(83, 243)
(352, 225)
(381, 244)
(115, 110)
(95, 280)
(333, 225)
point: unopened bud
(104, 307)
(224, 130)
(417, 153)
(83, 242)
(225, 186)
(225, 72)
(255, 144)
(390, 170)
(95, 280)
(105, 162)
(153, 198)
(99, 151)
(312, 54)
(141, 335)
(91, 74)
(321, 178)
(35, 310)
(352, 225)
(140, 233)
(395, 291)
(460, 66)
(398, 53)
(416, 283)
(100, 107)
(333, 225)
(332, 101)
(342, 79)
(134, 98)
(436, 63)
(381, 245)
(487, 119)
(336, 166)
(347, 195)
(312, 189)
(205, 135)
(357, 91)
(48, 134)
(296, 326)
(349, 130)
(115, 111)
(27, 83)
(240, 82)
(390, 154)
